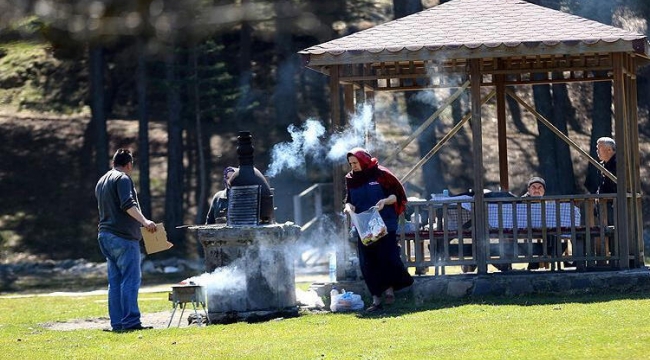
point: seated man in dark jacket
(537, 187)
(219, 204)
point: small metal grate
(244, 205)
(194, 294)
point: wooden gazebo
(498, 44)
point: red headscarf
(370, 170)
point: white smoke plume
(354, 135)
(305, 142)
(311, 142)
(628, 20)
(225, 280)
(228, 288)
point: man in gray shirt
(119, 238)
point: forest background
(176, 81)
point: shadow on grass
(39, 284)
(405, 303)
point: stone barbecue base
(252, 316)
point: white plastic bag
(347, 301)
(369, 225)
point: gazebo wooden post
(366, 94)
(622, 155)
(337, 169)
(369, 99)
(634, 183)
(348, 101)
(346, 247)
(480, 228)
(335, 124)
(501, 127)
(634, 160)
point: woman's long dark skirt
(382, 266)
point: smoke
(431, 97)
(315, 246)
(305, 143)
(226, 281)
(628, 20)
(361, 125)
(266, 266)
(310, 142)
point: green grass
(13, 67)
(586, 327)
(33, 79)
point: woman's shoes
(374, 308)
(389, 299)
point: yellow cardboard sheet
(156, 241)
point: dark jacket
(607, 186)
(116, 194)
(218, 208)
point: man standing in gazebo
(606, 150)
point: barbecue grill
(181, 295)
(261, 247)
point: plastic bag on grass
(347, 301)
(369, 225)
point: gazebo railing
(309, 205)
(559, 233)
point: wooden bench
(457, 247)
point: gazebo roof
(464, 29)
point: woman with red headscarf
(370, 184)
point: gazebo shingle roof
(479, 28)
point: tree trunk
(98, 117)
(243, 110)
(418, 112)
(515, 114)
(201, 167)
(554, 156)
(545, 141)
(563, 111)
(642, 10)
(601, 118)
(432, 171)
(285, 99)
(328, 12)
(462, 143)
(602, 96)
(174, 186)
(144, 194)
(403, 8)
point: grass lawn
(584, 327)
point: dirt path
(158, 320)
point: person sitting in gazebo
(219, 204)
(537, 187)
